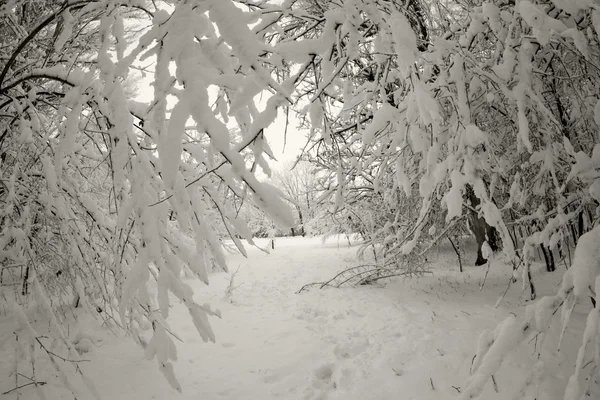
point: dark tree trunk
(481, 229)
(548, 258)
(417, 19)
(531, 287)
(547, 253)
(25, 281)
(302, 232)
(573, 234)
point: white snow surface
(403, 339)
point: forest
(135, 156)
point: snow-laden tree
(382, 102)
(299, 184)
(258, 222)
(100, 193)
(499, 99)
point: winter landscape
(300, 199)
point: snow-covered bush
(579, 282)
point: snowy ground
(407, 339)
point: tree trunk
(480, 228)
(417, 19)
(533, 294)
(302, 232)
(573, 234)
(25, 282)
(548, 258)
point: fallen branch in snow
(363, 275)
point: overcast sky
(295, 138)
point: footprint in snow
(272, 376)
(322, 382)
(350, 349)
(328, 378)
(324, 373)
(339, 316)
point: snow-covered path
(354, 343)
(412, 339)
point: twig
(495, 384)
(431, 381)
(485, 277)
(456, 388)
(457, 251)
(22, 386)
(231, 287)
(56, 355)
(510, 281)
(442, 234)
